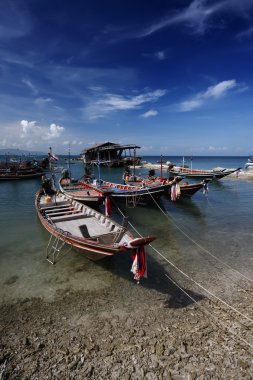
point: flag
(52, 156)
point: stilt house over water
(111, 154)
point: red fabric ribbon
(139, 267)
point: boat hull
(188, 190)
(16, 177)
(134, 193)
(202, 174)
(92, 249)
(81, 192)
(82, 228)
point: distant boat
(79, 226)
(20, 172)
(217, 173)
(249, 163)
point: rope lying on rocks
(202, 287)
(206, 290)
(191, 279)
(234, 334)
(166, 214)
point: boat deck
(84, 227)
(81, 191)
(81, 222)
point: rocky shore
(125, 331)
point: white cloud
(112, 102)
(30, 129)
(74, 142)
(189, 105)
(54, 132)
(147, 148)
(118, 102)
(42, 101)
(149, 113)
(160, 55)
(213, 92)
(3, 142)
(217, 148)
(198, 16)
(30, 85)
(220, 89)
(245, 33)
(15, 21)
(194, 16)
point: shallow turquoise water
(188, 233)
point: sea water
(205, 237)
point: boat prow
(138, 242)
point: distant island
(20, 152)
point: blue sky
(174, 77)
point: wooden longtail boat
(198, 173)
(15, 170)
(186, 189)
(86, 230)
(7, 174)
(80, 191)
(133, 193)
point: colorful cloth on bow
(139, 267)
(107, 205)
(175, 192)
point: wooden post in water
(161, 168)
(134, 164)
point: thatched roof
(109, 146)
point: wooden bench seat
(59, 205)
(58, 210)
(64, 218)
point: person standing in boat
(47, 186)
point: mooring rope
(202, 287)
(235, 336)
(199, 245)
(189, 278)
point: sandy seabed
(125, 331)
